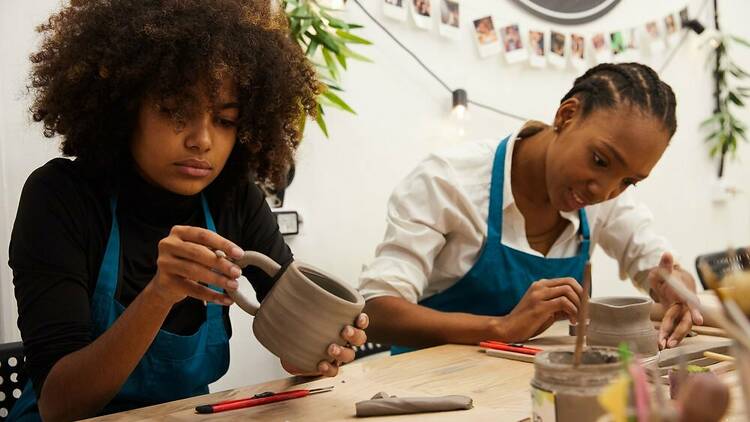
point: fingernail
(235, 272)
(662, 343)
(227, 301)
(232, 284)
(348, 331)
(362, 320)
(672, 343)
(323, 367)
(335, 350)
(237, 252)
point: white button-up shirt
(437, 225)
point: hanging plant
(725, 128)
(325, 40)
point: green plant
(725, 127)
(325, 40)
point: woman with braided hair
(488, 240)
(169, 107)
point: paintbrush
(583, 315)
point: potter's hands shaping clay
(545, 302)
(339, 355)
(679, 316)
(187, 254)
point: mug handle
(257, 259)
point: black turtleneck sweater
(58, 242)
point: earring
(555, 128)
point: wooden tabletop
(499, 387)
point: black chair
(720, 263)
(369, 348)
(12, 377)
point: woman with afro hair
(170, 109)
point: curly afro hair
(101, 58)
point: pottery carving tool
(510, 355)
(259, 399)
(582, 315)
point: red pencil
(526, 350)
(258, 399)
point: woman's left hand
(354, 336)
(679, 316)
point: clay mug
(614, 320)
(303, 313)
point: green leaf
(735, 99)
(324, 38)
(342, 60)
(338, 101)
(321, 121)
(349, 53)
(739, 40)
(312, 47)
(330, 64)
(349, 37)
(334, 22)
(713, 119)
(299, 12)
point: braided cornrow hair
(608, 85)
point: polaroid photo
(600, 44)
(684, 17)
(557, 49)
(513, 44)
(655, 38)
(395, 9)
(421, 11)
(449, 19)
(672, 29)
(537, 49)
(578, 52)
(617, 46)
(632, 38)
(486, 37)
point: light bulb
(460, 112)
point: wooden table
(499, 387)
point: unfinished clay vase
(303, 313)
(614, 320)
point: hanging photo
(395, 9)
(537, 49)
(684, 17)
(557, 49)
(601, 48)
(631, 39)
(578, 52)
(422, 13)
(617, 45)
(486, 37)
(656, 42)
(512, 44)
(449, 19)
(671, 29)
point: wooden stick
(583, 315)
(718, 356)
(702, 330)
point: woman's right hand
(545, 302)
(187, 259)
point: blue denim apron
(501, 275)
(174, 366)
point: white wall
(343, 183)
